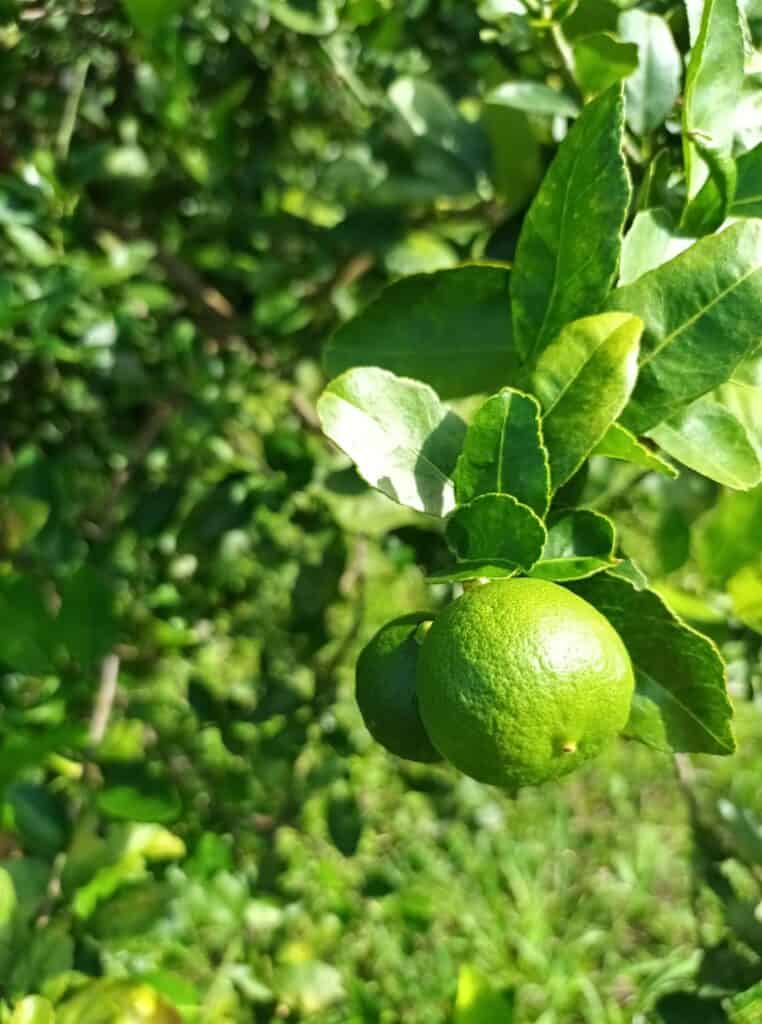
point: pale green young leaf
(681, 702)
(619, 443)
(601, 60)
(709, 439)
(568, 251)
(701, 316)
(400, 436)
(580, 543)
(742, 396)
(498, 529)
(503, 452)
(652, 90)
(713, 85)
(584, 380)
(745, 589)
(653, 239)
(450, 329)
(748, 197)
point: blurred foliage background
(194, 824)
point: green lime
(386, 672)
(520, 681)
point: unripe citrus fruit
(520, 681)
(386, 673)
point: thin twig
(71, 107)
(104, 699)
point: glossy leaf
(748, 197)
(533, 98)
(450, 329)
(584, 380)
(619, 443)
(681, 701)
(653, 239)
(701, 316)
(401, 437)
(462, 572)
(580, 543)
(601, 60)
(709, 439)
(713, 84)
(496, 529)
(503, 452)
(652, 90)
(568, 251)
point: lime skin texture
(520, 681)
(386, 694)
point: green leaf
(145, 800)
(308, 17)
(465, 571)
(713, 85)
(517, 163)
(584, 380)
(568, 251)
(630, 572)
(748, 197)
(28, 748)
(619, 443)
(38, 818)
(33, 1010)
(450, 329)
(652, 90)
(709, 439)
(727, 537)
(745, 589)
(21, 519)
(742, 396)
(681, 702)
(498, 529)
(430, 114)
(478, 1002)
(533, 98)
(652, 240)
(701, 316)
(8, 914)
(708, 210)
(580, 543)
(601, 60)
(503, 452)
(151, 16)
(86, 624)
(400, 436)
(26, 627)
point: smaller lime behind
(386, 689)
(521, 681)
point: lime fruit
(521, 681)
(386, 674)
